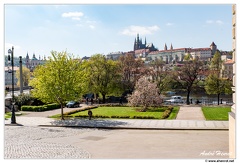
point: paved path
(190, 113)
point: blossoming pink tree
(145, 94)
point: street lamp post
(10, 53)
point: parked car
(175, 99)
(72, 104)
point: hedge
(167, 112)
(78, 110)
(40, 108)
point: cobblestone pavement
(27, 142)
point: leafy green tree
(188, 57)
(58, 80)
(25, 76)
(188, 75)
(100, 75)
(215, 83)
(216, 63)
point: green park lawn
(127, 112)
(216, 113)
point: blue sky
(85, 30)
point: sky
(87, 29)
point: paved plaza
(37, 142)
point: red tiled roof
(229, 62)
(200, 49)
(173, 50)
(139, 51)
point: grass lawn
(216, 113)
(9, 115)
(129, 112)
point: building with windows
(31, 64)
(177, 55)
(227, 68)
(203, 54)
(169, 56)
(114, 55)
(8, 76)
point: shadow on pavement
(89, 123)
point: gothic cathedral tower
(27, 61)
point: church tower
(165, 47)
(213, 47)
(138, 43)
(27, 61)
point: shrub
(34, 108)
(112, 105)
(40, 108)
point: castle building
(31, 64)
(114, 55)
(138, 43)
(177, 55)
(142, 49)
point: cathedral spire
(171, 47)
(165, 47)
(27, 56)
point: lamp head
(9, 51)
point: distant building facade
(227, 68)
(8, 76)
(31, 64)
(177, 55)
(114, 55)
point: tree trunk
(62, 118)
(188, 94)
(218, 98)
(104, 98)
(144, 108)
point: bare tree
(159, 73)
(131, 70)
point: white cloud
(169, 24)
(73, 15)
(133, 30)
(218, 22)
(92, 26)
(75, 18)
(209, 21)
